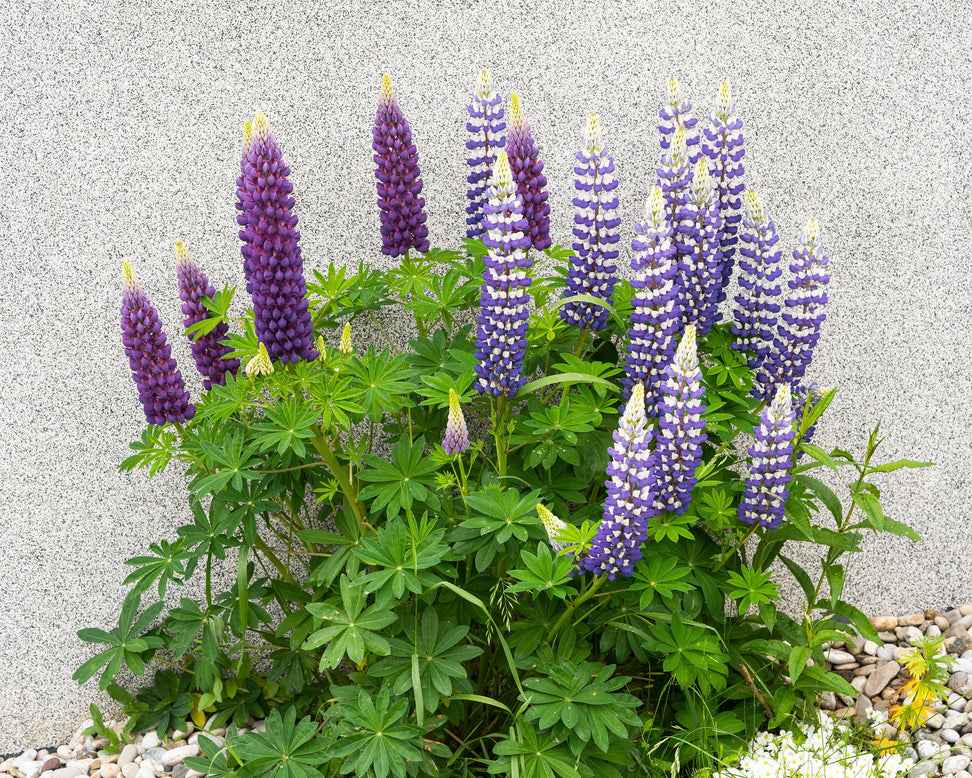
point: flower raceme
(766, 487)
(676, 112)
(485, 127)
(455, 440)
(160, 386)
(699, 253)
(527, 170)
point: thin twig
(756, 692)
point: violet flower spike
(207, 350)
(504, 302)
(764, 498)
(630, 499)
(700, 257)
(271, 249)
(161, 389)
(655, 312)
(456, 437)
(678, 452)
(757, 302)
(592, 270)
(485, 127)
(400, 204)
(798, 331)
(674, 178)
(722, 143)
(528, 174)
(677, 111)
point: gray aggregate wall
(121, 124)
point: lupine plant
(500, 547)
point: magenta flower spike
(766, 491)
(160, 386)
(528, 174)
(455, 440)
(485, 127)
(400, 202)
(630, 501)
(592, 270)
(677, 111)
(207, 350)
(699, 253)
(271, 249)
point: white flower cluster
(823, 751)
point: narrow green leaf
(798, 661)
(565, 378)
(417, 691)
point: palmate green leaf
(435, 388)
(437, 353)
(218, 306)
(498, 516)
(543, 572)
(286, 426)
(399, 483)
(288, 749)
(234, 464)
(691, 653)
(526, 754)
(377, 378)
(154, 451)
(751, 587)
(661, 575)
(168, 564)
(353, 627)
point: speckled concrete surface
(120, 132)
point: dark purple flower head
(528, 174)
(722, 143)
(154, 371)
(677, 112)
(485, 128)
(766, 491)
(678, 453)
(271, 249)
(655, 313)
(798, 331)
(592, 269)
(699, 254)
(207, 350)
(630, 499)
(504, 302)
(757, 303)
(401, 206)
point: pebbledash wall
(120, 130)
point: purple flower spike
(678, 453)
(271, 250)
(756, 303)
(802, 395)
(400, 204)
(700, 257)
(766, 491)
(504, 303)
(456, 438)
(592, 269)
(799, 329)
(527, 170)
(154, 371)
(485, 127)
(630, 500)
(674, 177)
(722, 143)
(677, 111)
(207, 350)
(655, 315)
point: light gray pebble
(837, 657)
(127, 755)
(962, 665)
(967, 739)
(911, 754)
(130, 770)
(922, 769)
(197, 774)
(907, 634)
(30, 755)
(28, 766)
(927, 749)
(150, 740)
(152, 764)
(83, 764)
(933, 631)
(176, 755)
(936, 722)
(963, 774)
(870, 647)
(942, 623)
(953, 764)
(68, 772)
(144, 772)
(65, 752)
(154, 753)
(950, 735)
(886, 651)
(955, 719)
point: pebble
(950, 736)
(907, 634)
(880, 678)
(954, 764)
(927, 748)
(127, 755)
(110, 771)
(155, 753)
(150, 740)
(884, 623)
(963, 774)
(145, 772)
(130, 770)
(922, 769)
(178, 755)
(870, 647)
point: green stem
(339, 474)
(739, 544)
(581, 599)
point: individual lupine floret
(798, 331)
(554, 527)
(456, 437)
(722, 143)
(486, 128)
(592, 269)
(271, 249)
(757, 303)
(766, 491)
(655, 314)
(400, 203)
(674, 177)
(504, 301)
(259, 364)
(630, 501)
(160, 386)
(207, 350)
(677, 111)
(699, 255)
(678, 452)
(527, 170)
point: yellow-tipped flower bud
(247, 135)
(674, 93)
(346, 348)
(456, 437)
(260, 364)
(485, 85)
(502, 179)
(387, 90)
(813, 230)
(516, 112)
(128, 275)
(321, 347)
(261, 127)
(553, 526)
(678, 143)
(182, 253)
(592, 132)
(655, 207)
(724, 101)
(754, 206)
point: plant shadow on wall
(585, 590)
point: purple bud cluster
(592, 269)
(766, 490)
(207, 350)
(400, 202)
(456, 437)
(675, 112)
(678, 453)
(655, 313)
(722, 143)
(699, 253)
(630, 499)
(757, 303)
(504, 301)
(528, 174)
(485, 127)
(271, 251)
(160, 386)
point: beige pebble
(884, 623)
(913, 620)
(110, 771)
(966, 609)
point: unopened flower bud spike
(455, 440)
(260, 364)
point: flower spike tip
(260, 364)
